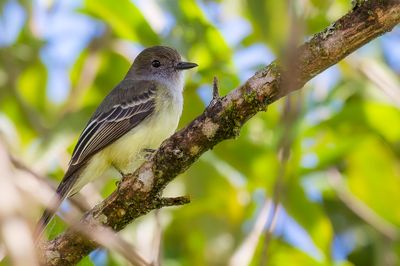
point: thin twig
(172, 201)
(90, 68)
(157, 241)
(245, 252)
(103, 235)
(290, 114)
(17, 240)
(77, 201)
(387, 83)
(387, 229)
(289, 117)
(215, 89)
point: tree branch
(140, 192)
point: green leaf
(373, 172)
(124, 18)
(384, 119)
(86, 261)
(32, 86)
(270, 22)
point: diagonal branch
(140, 192)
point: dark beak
(185, 65)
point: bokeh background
(333, 168)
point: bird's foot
(148, 154)
(119, 170)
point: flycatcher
(135, 117)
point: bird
(133, 119)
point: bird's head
(158, 63)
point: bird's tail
(63, 190)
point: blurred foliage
(347, 123)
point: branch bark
(140, 192)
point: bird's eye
(156, 63)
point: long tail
(63, 190)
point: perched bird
(133, 119)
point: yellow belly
(126, 154)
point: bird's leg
(119, 170)
(148, 154)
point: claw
(148, 154)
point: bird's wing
(124, 108)
(120, 112)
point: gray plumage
(151, 90)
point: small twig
(245, 252)
(174, 201)
(215, 94)
(105, 237)
(383, 79)
(16, 238)
(157, 241)
(215, 89)
(290, 115)
(77, 201)
(359, 208)
(89, 71)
